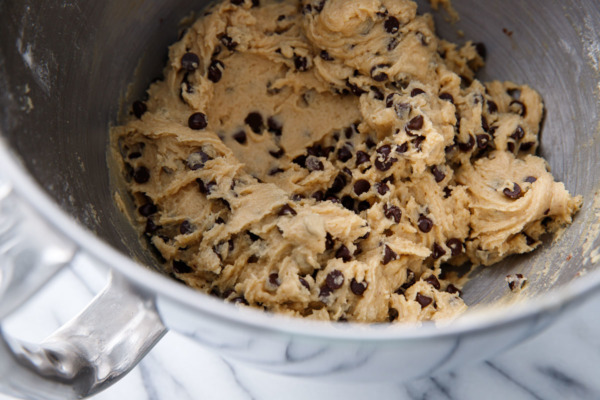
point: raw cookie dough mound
(325, 159)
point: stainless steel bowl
(64, 68)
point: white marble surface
(561, 363)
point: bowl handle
(89, 353)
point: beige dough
(349, 157)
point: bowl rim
(144, 277)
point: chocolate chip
(510, 146)
(338, 184)
(358, 288)
(237, 2)
(215, 71)
(274, 126)
(530, 179)
(393, 314)
(370, 143)
(388, 255)
(392, 212)
(332, 199)
(151, 227)
(389, 100)
(483, 141)
(329, 242)
(344, 154)
(253, 237)
(416, 92)
(343, 253)
(198, 121)
(517, 107)
(418, 141)
(335, 279)
(377, 94)
(438, 251)
(196, 160)
(447, 192)
(528, 239)
(186, 228)
(384, 165)
(481, 50)
(139, 108)
(415, 124)
(324, 292)
(425, 224)
(377, 75)
(484, 124)
(241, 299)
(255, 121)
(147, 210)
(492, 107)
(453, 289)
(325, 55)
(190, 62)
(348, 202)
(466, 147)
(304, 283)
(141, 175)
(392, 44)
(240, 137)
(402, 148)
(402, 110)
(255, 3)
(181, 268)
(287, 210)
(355, 89)
(433, 281)
(391, 25)
(526, 146)
(447, 97)
(134, 155)
(518, 134)
(274, 279)
(362, 157)
(382, 188)
(300, 160)
(277, 153)
(455, 246)
(424, 301)
(438, 174)
(228, 42)
(318, 196)
(513, 194)
(301, 63)
(363, 206)
(384, 150)
(361, 186)
(314, 164)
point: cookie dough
(333, 160)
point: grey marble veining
(563, 362)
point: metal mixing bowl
(64, 69)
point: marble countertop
(562, 362)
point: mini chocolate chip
(362, 157)
(388, 255)
(358, 288)
(447, 97)
(526, 146)
(517, 107)
(382, 188)
(455, 246)
(438, 174)
(335, 279)
(402, 148)
(424, 301)
(453, 289)
(392, 212)
(348, 203)
(518, 134)
(466, 147)
(513, 194)
(433, 281)
(147, 210)
(344, 154)
(255, 121)
(530, 179)
(314, 164)
(416, 92)
(287, 210)
(361, 186)
(304, 283)
(425, 224)
(492, 107)
(481, 50)
(274, 279)
(240, 137)
(139, 108)
(325, 55)
(301, 63)
(377, 75)
(416, 123)
(438, 251)
(186, 228)
(343, 253)
(141, 175)
(215, 71)
(277, 153)
(274, 126)
(181, 268)
(393, 314)
(363, 206)
(190, 62)
(483, 141)
(338, 184)
(391, 25)
(198, 121)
